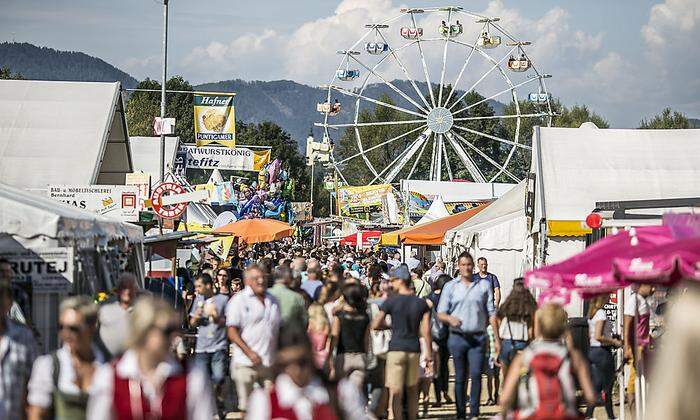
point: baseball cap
(400, 271)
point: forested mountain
(42, 63)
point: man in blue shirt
(467, 307)
(484, 274)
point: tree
(666, 120)
(577, 115)
(6, 74)
(143, 107)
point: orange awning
(253, 231)
(433, 233)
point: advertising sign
(224, 158)
(214, 120)
(142, 181)
(168, 211)
(116, 201)
(45, 269)
(359, 201)
(163, 126)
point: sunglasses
(169, 330)
(75, 329)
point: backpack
(546, 388)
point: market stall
(56, 249)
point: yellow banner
(355, 201)
(260, 159)
(221, 247)
(214, 120)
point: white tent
(577, 167)
(498, 233)
(436, 211)
(145, 153)
(62, 133)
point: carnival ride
(434, 118)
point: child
(546, 363)
(492, 370)
(426, 376)
(318, 331)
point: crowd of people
(283, 331)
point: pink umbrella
(646, 255)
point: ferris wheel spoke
(473, 170)
(509, 89)
(376, 146)
(391, 86)
(492, 137)
(494, 67)
(375, 101)
(403, 158)
(425, 66)
(438, 157)
(461, 71)
(405, 71)
(370, 124)
(498, 166)
(444, 58)
(500, 117)
(447, 161)
(415, 163)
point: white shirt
(40, 388)
(517, 328)
(302, 400)
(607, 327)
(641, 302)
(200, 401)
(257, 322)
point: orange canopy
(433, 233)
(252, 231)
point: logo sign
(163, 126)
(46, 269)
(115, 201)
(167, 211)
(222, 158)
(214, 120)
(142, 181)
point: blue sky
(626, 59)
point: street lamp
(162, 88)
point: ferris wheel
(433, 124)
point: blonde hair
(675, 379)
(595, 304)
(147, 313)
(551, 320)
(83, 305)
(318, 320)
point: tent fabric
(453, 192)
(30, 217)
(351, 239)
(580, 166)
(253, 231)
(62, 133)
(145, 153)
(436, 211)
(433, 233)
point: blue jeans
(467, 352)
(509, 349)
(215, 364)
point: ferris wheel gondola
(438, 127)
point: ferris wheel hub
(440, 120)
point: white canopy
(577, 167)
(34, 221)
(436, 211)
(62, 133)
(453, 192)
(145, 152)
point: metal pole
(162, 88)
(313, 162)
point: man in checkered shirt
(17, 354)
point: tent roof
(436, 210)
(508, 207)
(580, 166)
(28, 215)
(62, 133)
(145, 152)
(452, 192)
(431, 233)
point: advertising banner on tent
(302, 211)
(222, 158)
(44, 269)
(221, 193)
(116, 201)
(214, 120)
(418, 205)
(358, 201)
